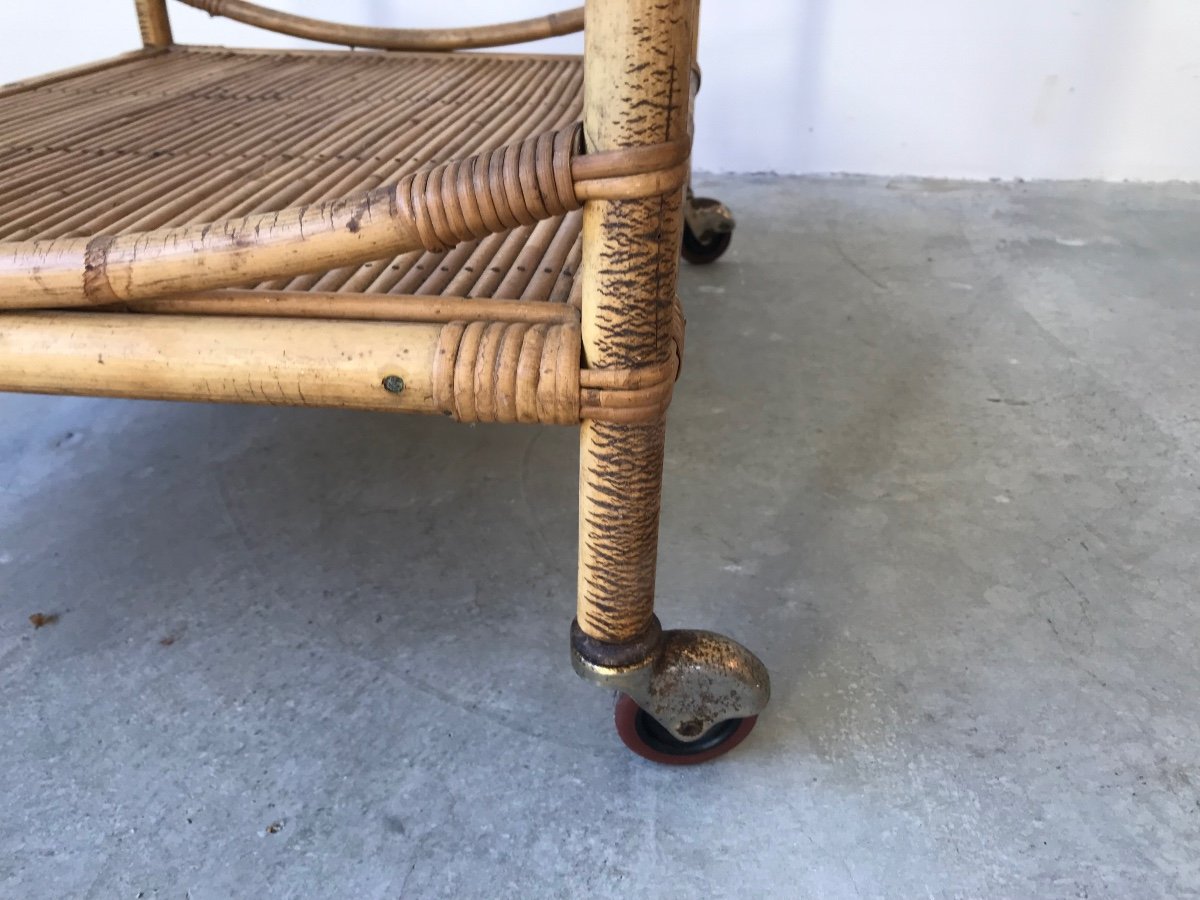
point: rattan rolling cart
(401, 227)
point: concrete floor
(934, 457)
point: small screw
(393, 384)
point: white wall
(960, 88)
(970, 88)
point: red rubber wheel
(648, 739)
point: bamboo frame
(607, 359)
(413, 232)
(637, 63)
(523, 367)
(441, 40)
(357, 307)
(154, 23)
(318, 52)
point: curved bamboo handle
(553, 25)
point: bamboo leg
(620, 471)
(154, 23)
(684, 696)
(636, 91)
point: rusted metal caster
(685, 696)
(707, 229)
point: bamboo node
(96, 286)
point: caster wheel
(699, 252)
(648, 739)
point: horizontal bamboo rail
(440, 39)
(230, 360)
(360, 307)
(501, 54)
(477, 370)
(435, 209)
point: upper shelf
(192, 135)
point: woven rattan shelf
(119, 150)
(409, 228)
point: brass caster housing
(689, 682)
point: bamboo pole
(360, 307)
(441, 39)
(107, 269)
(636, 93)
(319, 52)
(154, 23)
(217, 359)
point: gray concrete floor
(934, 457)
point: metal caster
(707, 229)
(686, 696)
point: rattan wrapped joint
(496, 371)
